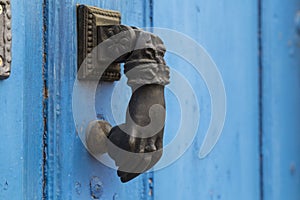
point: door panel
(281, 97)
(70, 168)
(256, 157)
(228, 31)
(21, 107)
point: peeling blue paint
(96, 187)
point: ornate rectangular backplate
(88, 18)
(5, 39)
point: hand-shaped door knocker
(137, 145)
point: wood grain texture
(70, 168)
(37, 118)
(21, 107)
(281, 97)
(228, 31)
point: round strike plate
(96, 136)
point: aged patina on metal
(147, 75)
(5, 39)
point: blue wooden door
(255, 46)
(22, 118)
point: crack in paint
(45, 99)
(260, 100)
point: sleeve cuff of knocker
(150, 73)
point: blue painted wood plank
(34, 96)
(21, 107)
(281, 97)
(70, 168)
(228, 31)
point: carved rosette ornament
(5, 39)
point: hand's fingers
(133, 138)
(136, 163)
(142, 144)
(159, 140)
(150, 146)
(126, 173)
(132, 143)
(133, 155)
(118, 145)
(128, 176)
